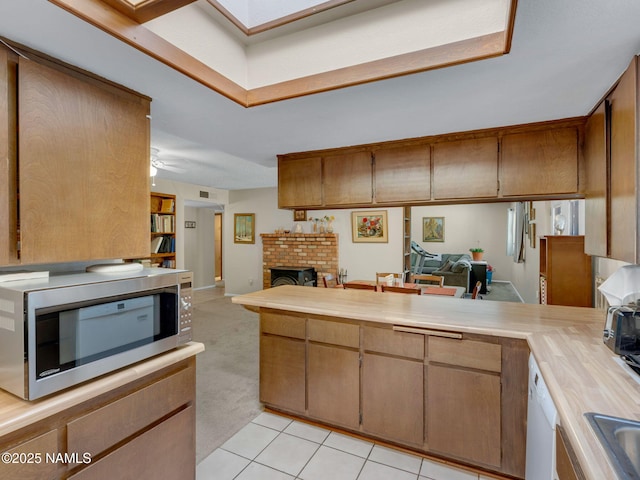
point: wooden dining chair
(329, 281)
(430, 279)
(475, 293)
(410, 291)
(476, 290)
(379, 276)
(359, 286)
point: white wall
(481, 225)
(199, 246)
(243, 263)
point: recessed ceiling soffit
(333, 45)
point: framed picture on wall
(244, 228)
(369, 227)
(299, 215)
(433, 229)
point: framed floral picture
(369, 227)
(244, 228)
(433, 229)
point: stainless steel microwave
(63, 330)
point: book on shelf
(167, 205)
(11, 276)
(156, 244)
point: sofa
(454, 267)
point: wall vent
(204, 194)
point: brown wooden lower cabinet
(566, 467)
(162, 452)
(393, 398)
(143, 430)
(462, 398)
(333, 385)
(463, 414)
(282, 372)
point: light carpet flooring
(235, 439)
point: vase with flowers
(329, 219)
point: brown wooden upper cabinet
(540, 162)
(624, 190)
(596, 182)
(403, 174)
(466, 168)
(82, 151)
(299, 182)
(348, 179)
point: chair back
(329, 281)
(380, 277)
(476, 290)
(431, 279)
(359, 286)
(410, 291)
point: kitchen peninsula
(446, 377)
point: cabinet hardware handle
(424, 331)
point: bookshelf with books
(162, 251)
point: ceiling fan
(158, 164)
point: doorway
(217, 234)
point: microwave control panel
(185, 280)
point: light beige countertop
(579, 369)
(16, 413)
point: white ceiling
(565, 55)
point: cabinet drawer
(165, 451)
(466, 353)
(46, 443)
(402, 344)
(335, 333)
(283, 325)
(123, 418)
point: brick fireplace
(318, 250)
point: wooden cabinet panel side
(84, 160)
(596, 183)
(8, 158)
(624, 161)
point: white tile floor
(273, 447)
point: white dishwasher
(541, 428)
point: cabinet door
(299, 182)
(33, 450)
(165, 451)
(403, 174)
(393, 398)
(466, 168)
(8, 158)
(334, 385)
(463, 415)
(596, 183)
(282, 372)
(84, 168)
(540, 162)
(623, 167)
(348, 179)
